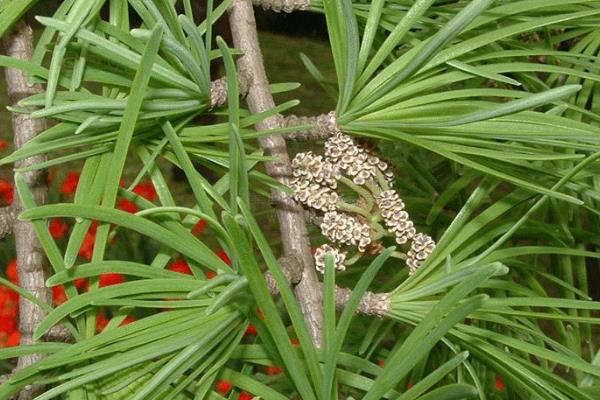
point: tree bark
(293, 230)
(287, 6)
(18, 44)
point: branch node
(324, 126)
(286, 6)
(7, 221)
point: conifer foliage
(452, 201)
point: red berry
(409, 384)
(3, 144)
(381, 362)
(128, 206)
(245, 396)
(295, 342)
(180, 266)
(111, 279)
(250, 330)
(69, 185)
(273, 370)
(146, 190)
(58, 229)
(11, 272)
(223, 387)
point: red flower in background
(250, 330)
(224, 387)
(3, 144)
(13, 339)
(111, 279)
(9, 309)
(101, 322)
(223, 256)
(87, 246)
(58, 295)
(6, 191)
(58, 229)
(146, 190)
(9, 302)
(128, 320)
(128, 206)
(11, 272)
(8, 324)
(273, 370)
(199, 227)
(500, 383)
(245, 396)
(10, 339)
(82, 284)
(180, 266)
(210, 274)
(69, 185)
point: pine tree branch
(7, 221)
(323, 126)
(18, 44)
(286, 6)
(293, 229)
(375, 304)
(218, 89)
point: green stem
(362, 192)
(353, 259)
(342, 205)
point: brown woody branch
(293, 230)
(287, 6)
(18, 44)
(7, 221)
(321, 126)
(376, 304)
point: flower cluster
(346, 229)
(321, 183)
(9, 309)
(353, 160)
(396, 218)
(421, 247)
(314, 181)
(338, 258)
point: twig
(293, 230)
(7, 221)
(30, 257)
(323, 126)
(287, 6)
(377, 304)
(218, 89)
